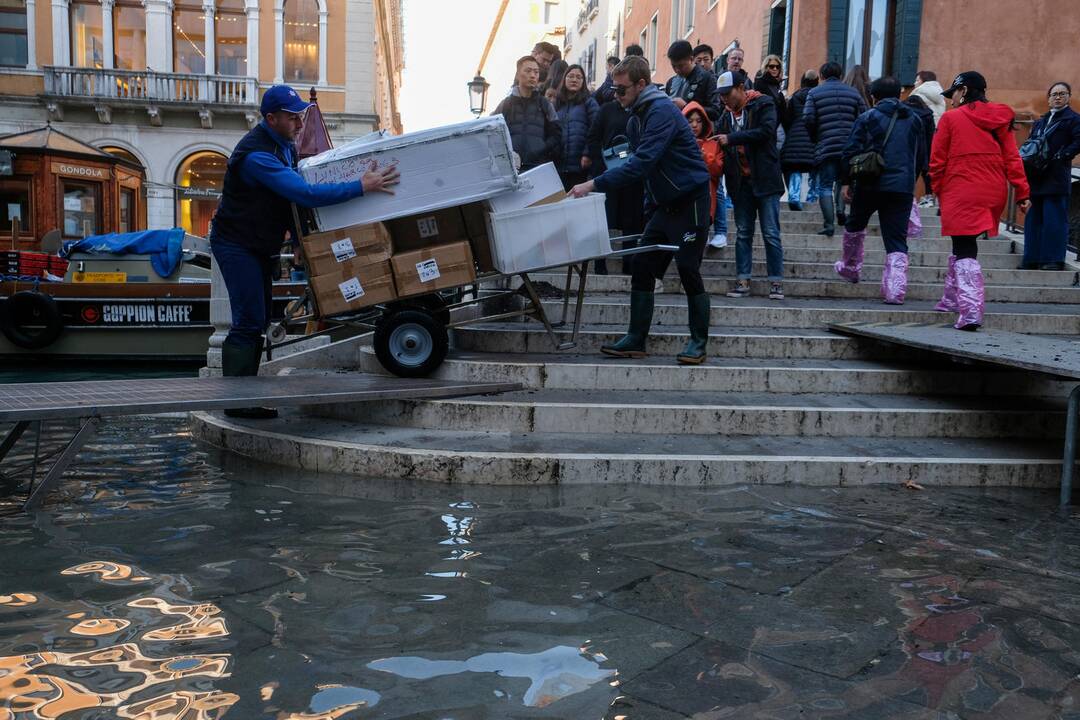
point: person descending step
(752, 170)
(973, 161)
(893, 131)
(666, 157)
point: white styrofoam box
(537, 184)
(441, 167)
(549, 235)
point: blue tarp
(163, 246)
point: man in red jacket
(973, 161)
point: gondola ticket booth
(50, 180)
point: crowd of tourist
(673, 159)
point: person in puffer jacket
(577, 112)
(711, 151)
(892, 129)
(797, 155)
(973, 161)
(531, 119)
(667, 158)
(830, 112)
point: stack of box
(460, 207)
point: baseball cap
(728, 80)
(282, 97)
(969, 79)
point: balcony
(589, 10)
(104, 89)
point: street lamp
(478, 88)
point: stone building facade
(174, 84)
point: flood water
(167, 580)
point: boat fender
(31, 320)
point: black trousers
(685, 226)
(893, 209)
(965, 246)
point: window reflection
(87, 49)
(301, 40)
(129, 36)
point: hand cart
(410, 333)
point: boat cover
(163, 246)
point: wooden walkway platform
(90, 402)
(1059, 357)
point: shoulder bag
(870, 165)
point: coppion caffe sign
(80, 171)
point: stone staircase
(781, 400)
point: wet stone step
(871, 272)
(703, 412)
(448, 456)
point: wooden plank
(1050, 355)
(47, 401)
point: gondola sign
(139, 314)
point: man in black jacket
(747, 131)
(534, 126)
(691, 82)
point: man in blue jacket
(666, 157)
(893, 130)
(252, 220)
(830, 111)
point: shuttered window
(880, 35)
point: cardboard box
(366, 244)
(549, 235)
(432, 268)
(441, 167)
(539, 186)
(353, 286)
(438, 227)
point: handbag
(617, 155)
(870, 165)
(1035, 152)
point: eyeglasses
(772, 67)
(1059, 94)
(621, 90)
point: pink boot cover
(894, 278)
(948, 298)
(970, 294)
(850, 265)
(914, 223)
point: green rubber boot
(698, 311)
(632, 344)
(238, 360)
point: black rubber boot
(243, 361)
(698, 311)
(632, 344)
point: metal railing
(149, 85)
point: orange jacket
(710, 150)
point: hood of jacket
(930, 87)
(989, 115)
(893, 106)
(691, 107)
(649, 95)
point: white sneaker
(718, 241)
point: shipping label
(351, 289)
(428, 270)
(428, 227)
(343, 249)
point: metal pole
(86, 430)
(1068, 466)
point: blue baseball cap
(282, 97)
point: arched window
(230, 37)
(199, 181)
(13, 33)
(123, 153)
(129, 35)
(87, 49)
(301, 41)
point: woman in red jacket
(973, 160)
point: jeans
(720, 222)
(829, 194)
(1046, 230)
(811, 187)
(248, 278)
(794, 188)
(687, 228)
(767, 211)
(893, 210)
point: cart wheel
(277, 333)
(411, 343)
